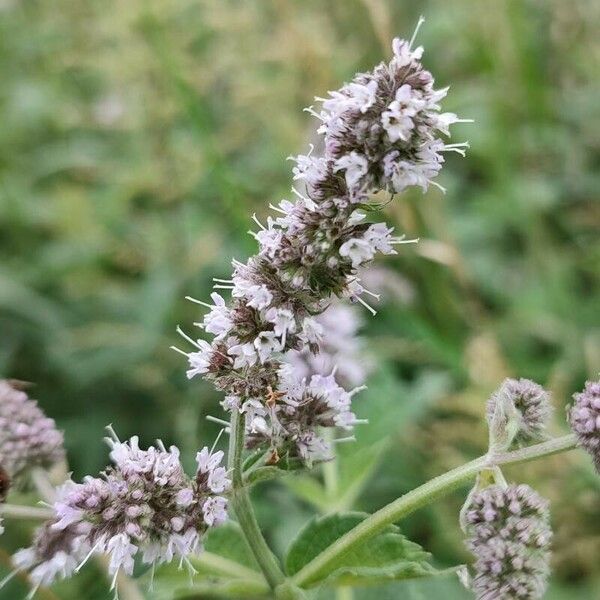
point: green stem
(240, 501)
(419, 497)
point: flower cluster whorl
(143, 504)
(532, 404)
(584, 417)
(510, 535)
(27, 437)
(382, 131)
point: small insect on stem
(273, 397)
(273, 458)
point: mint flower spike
(509, 534)
(384, 130)
(27, 437)
(584, 418)
(143, 505)
(518, 412)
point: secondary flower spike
(27, 437)
(382, 131)
(528, 402)
(584, 417)
(510, 535)
(144, 505)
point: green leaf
(310, 490)
(387, 556)
(228, 542)
(390, 405)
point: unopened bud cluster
(519, 411)
(27, 437)
(584, 417)
(509, 535)
(144, 505)
(382, 131)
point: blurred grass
(137, 138)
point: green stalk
(422, 496)
(242, 506)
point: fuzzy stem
(14, 511)
(419, 497)
(331, 480)
(242, 506)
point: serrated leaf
(387, 556)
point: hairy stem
(242, 506)
(422, 496)
(331, 480)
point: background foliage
(137, 138)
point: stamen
(111, 433)
(113, 585)
(217, 421)
(223, 287)
(33, 592)
(355, 391)
(152, 571)
(222, 280)
(178, 350)
(299, 194)
(416, 31)
(367, 306)
(190, 566)
(8, 578)
(344, 440)
(458, 148)
(198, 302)
(311, 111)
(402, 240)
(277, 209)
(373, 294)
(437, 185)
(255, 219)
(87, 557)
(217, 440)
(185, 336)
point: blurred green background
(137, 138)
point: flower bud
(27, 437)
(584, 417)
(509, 534)
(518, 411)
